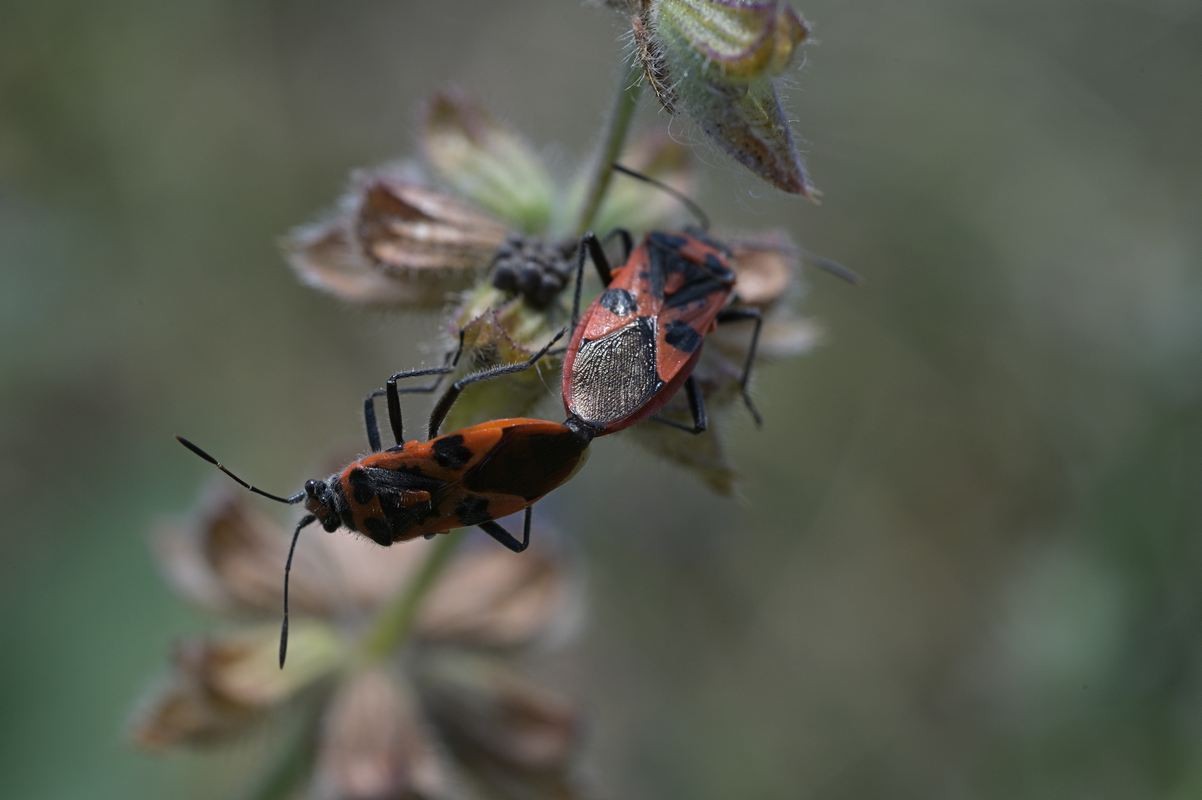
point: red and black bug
(640, 340)
(472, 476)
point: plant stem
(616, 128)
(394, 623)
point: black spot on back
(386, 481)
(344, 508)
(683, 336)
(361, 488)
(472, 510)
(619, 302)
(698, 285)
(378, 530)
(450, 452)
(657, 270)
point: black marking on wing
(361, 488)
(472, 510)
(718, 268)
(379, 530)
(344, 508)
(698, 285)
(683, 336)
(450, 452)
(657, 270)
(391, 480)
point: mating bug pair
(628, 354)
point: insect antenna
(305, 520)
(296, 498)
(702, 218)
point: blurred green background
(967, 556)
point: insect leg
(696, 408)
(627, 242)
(506, 538)
(736, 315)
(394, 401)
(589, 246)
(443, 406)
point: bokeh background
(966, 556)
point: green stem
(616, 128)
(394, 623)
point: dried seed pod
(394, 242)
(228, 557)
(403, 227)
(223, 685)
(374, 744)
(325, 257)
(490, 599)
(505, 730)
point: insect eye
(312, 487)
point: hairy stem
(616, 128)
(394, 623)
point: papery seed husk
(325, 257)
(486, 598)
(374, 744)
(179, 712)
(768, 269)
(404, 228)
(228, 557)
(493, 717)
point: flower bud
(717, 60)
